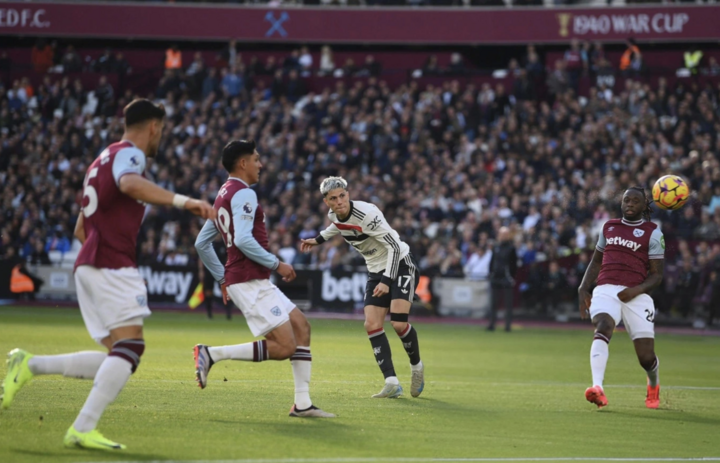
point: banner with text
(366, 25)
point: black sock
(381, 349)
(410, 343)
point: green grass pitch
(487, 396)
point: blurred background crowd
(449, 161)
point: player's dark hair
(142, 110)
(647, 212)
(235, 150)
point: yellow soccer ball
(671, 192)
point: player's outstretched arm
(307, 245)
(138, 187)
(79, 232)
(591, 275)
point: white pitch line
(476, 383)
(421, 460)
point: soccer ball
(670, 192)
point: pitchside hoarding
(366, 25)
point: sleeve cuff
(221, 282)
(600, 249)
(276, 265)
(320, 239)
(386, 280)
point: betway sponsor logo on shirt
(623, 242)
(635, 24)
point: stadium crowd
(448, 165)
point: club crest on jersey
(623, 242)
(638, 233)
(247, 207)
(611, 228)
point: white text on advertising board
(636, 24)
(25, 17)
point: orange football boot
(596, 395)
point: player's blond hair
(332, 183)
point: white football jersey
(368, 232)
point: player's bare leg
(126, 345)
(374, 320)
(399, 311)
(645, 350)
(599, 352)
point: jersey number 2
(650, 315)
(223, 224)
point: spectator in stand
(532, 63)
(574, 64)
(270, 67)
(58, 241)
(105, 96)
(230, 54)
(210, 84)
(106, 62)
(71, 60)
(305, 62)
(558, 81)
(457, 67)
(478, 266)
(431, 67)
(42, 56)
(713, 68)
(292, 61)
(370, 68)
(631, 59)
(173, 58)
(231, 83)
(327, 63)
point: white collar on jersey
(239, 180)
(636, 223)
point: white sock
(416, 367)
(109, 381)
(301, 363)
(82, 365)
(392, 380)
(599, 353)
(654, 374)
(250, 352)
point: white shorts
(265, 307)
(110, 298)
(637, 315)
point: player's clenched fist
(286, 271)
(201, 208)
